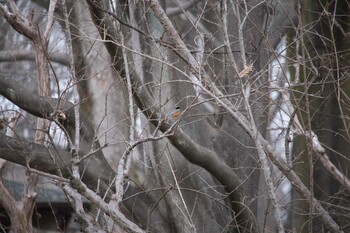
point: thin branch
(88, 225)
(329, 166)
(97, 174)
(36, 156)
(184, 209)
(174, 36)
(111, 209)
(276, 160)
(47, 108)
(182, 141)
(236, 6)
(263, 160)
(50, 20)
(172, 11)
(125, 161)
(227, 39)
(28, 55)
(18, 21)
(319, 151)
(215, 93)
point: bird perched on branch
(175, 113)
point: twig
(50, 20)
(263, 160)
(125, 160)
(111, 209)
(226, 37)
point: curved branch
(52, 160)
(240, 119)
(48, 108)
(96, 172)
(18, 21)
(191, 150)
(51, 108)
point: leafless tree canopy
(174, 116)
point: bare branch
(238, 117)
(193, 152)
(18, 21)
(88, 224)
(183, 7)
(111, 209)
(50, 20)
(28, 55)
(48, 108)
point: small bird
(176, 113)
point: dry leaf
(246, 71)
(62, 115)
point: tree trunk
(322, 105)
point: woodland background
(87, 142)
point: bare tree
(122, 68)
